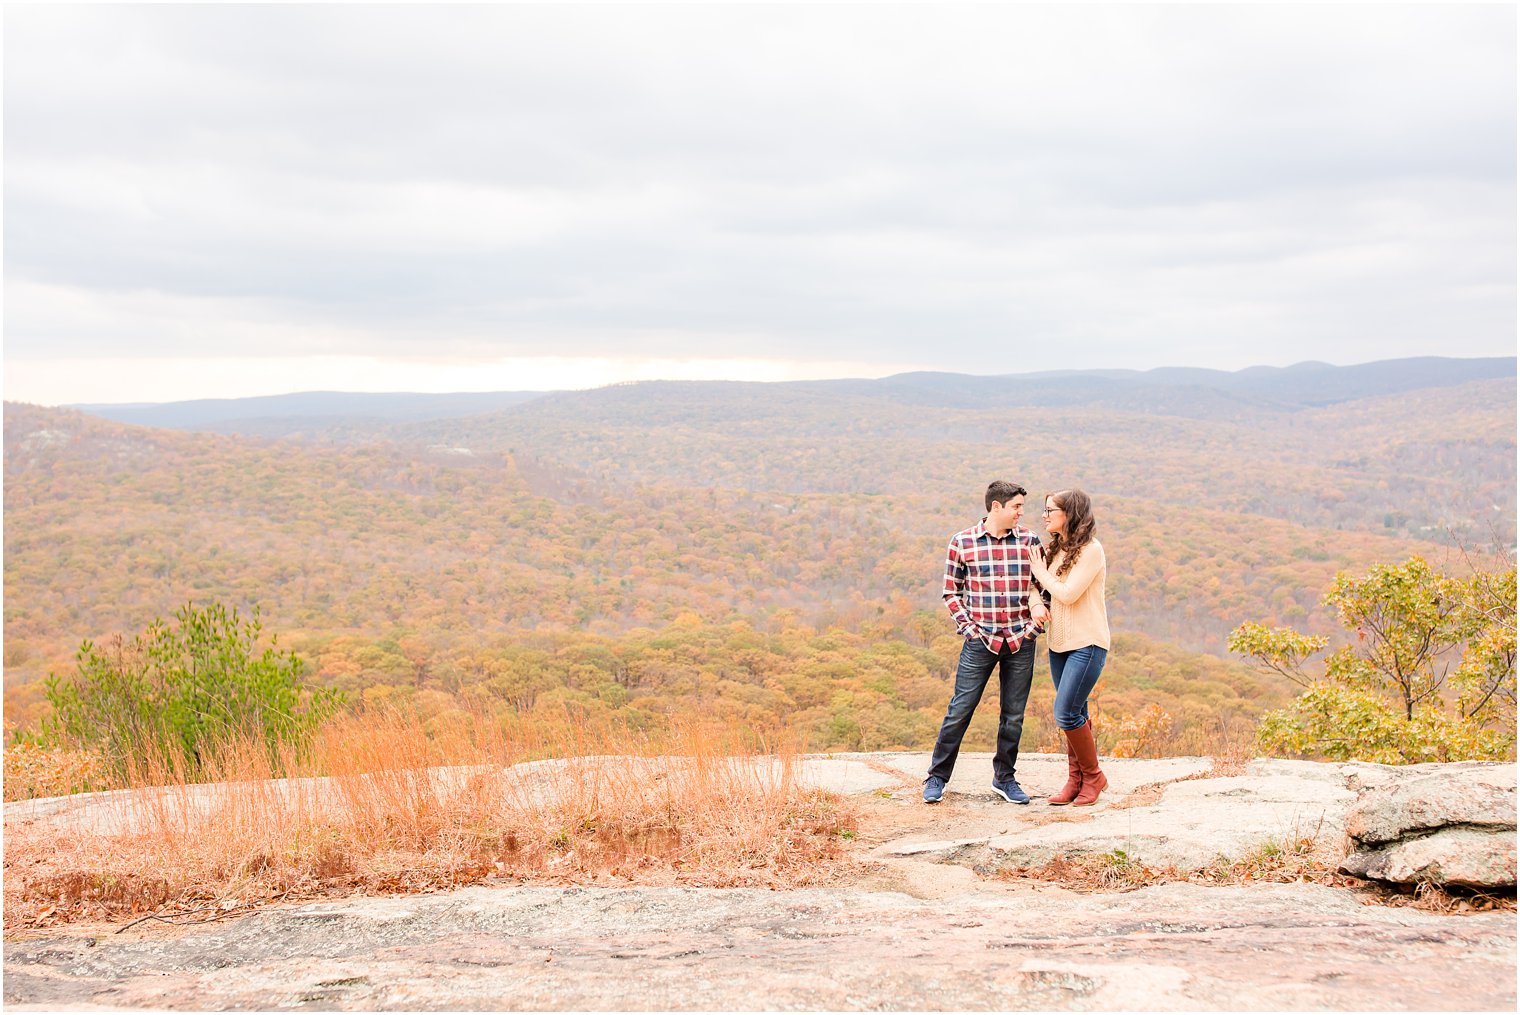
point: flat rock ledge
(1162, 812)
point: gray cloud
(1088, 185)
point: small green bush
(179, 692)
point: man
(998, 610)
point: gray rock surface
(1361, 775)
(1475, 797)
(1196, 822)
(1449, 825)
(1464, 857)
(1172, 947)
(1190, 822)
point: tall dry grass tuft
(378, 804)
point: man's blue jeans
(1015, 674)
(1075, 674)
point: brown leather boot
(1073, 786)
(1093, 779)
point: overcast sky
(214, 201)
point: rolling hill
(432, 555)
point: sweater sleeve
(1081, 575)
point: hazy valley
(771, 551)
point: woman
(1073, 572)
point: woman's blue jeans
(1075, 674)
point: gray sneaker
(1010, 791)
(934, 790)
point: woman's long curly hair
(1080, 528)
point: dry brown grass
(380, 805)
(1446, 900)
(1115, 870)
(1299, 860)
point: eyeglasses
(1052, 511)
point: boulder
(1450, 826)
(1461, 857)
(1471, 797)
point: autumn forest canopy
(766, 553)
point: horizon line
(1302, 364)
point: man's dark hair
(1001, 492)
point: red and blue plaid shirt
(988, 585)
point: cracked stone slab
(931, 847)
(1168, 947)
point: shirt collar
(982, 530)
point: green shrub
(178, 692)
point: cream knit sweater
(1078, 616)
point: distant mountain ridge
(386, 407)
(1182, 391)
(1317, 383)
